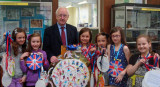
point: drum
(70, 73)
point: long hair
(29, 47)
(148, 40)
(15, 44)
(103, 34)
(85, 30)
(116, 29)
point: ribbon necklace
(148, 66)
(8, 40)
(117, 52)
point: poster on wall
(10, 25)
(13, 14)
(36, 23)
(27, 12)
(25, 25)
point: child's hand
(4, 35)
(23, 79)
(93, 49)
(119, 77)
(142, 61)
(40, 54)
(103, 49)
(24, 55)
(54, 59)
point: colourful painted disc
(70, 73)
(34, 61)
(115, 68)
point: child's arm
(131, 69)
(126, 52)
(127, 55)
(22, 62)
(45, 61)
(108, 51)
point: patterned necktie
(63, 37)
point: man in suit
(59, 34)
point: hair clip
(15, 31)
(28, 36)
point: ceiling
(74, 3)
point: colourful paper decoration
(34, 62)
(70, 73)
(115, 68)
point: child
(88, 50)
(34, 46)
(102, 40)
(137, 61)
(118, 52)
(18, 47)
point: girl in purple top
(34, 45)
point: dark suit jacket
(52, 40)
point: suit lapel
(68, 33)
(58, 34)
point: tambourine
(70, 73)
(151, 79)
(103, 63)
(34, 61)
(115, 68)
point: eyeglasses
(116, 36)
(63, 15)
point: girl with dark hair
(101, 41)
(118, 54)
(18, 46)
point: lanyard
(117, 52)
(94, 61)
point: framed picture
(13, 14)
(27, 12)
(37, 31)
(36, 23)
(10, 25)
(25, 25)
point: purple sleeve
(45, 61)
(23, 66)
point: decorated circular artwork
(115, 68)
(70, 73)
(34, 61)
(103, 63)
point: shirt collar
(61, 26)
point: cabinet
(136, 19)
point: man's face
(62, 16)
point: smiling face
(20, 38)
(84, 38)
(62, 16)
(116, 37)
(101, 41)
(143, 45)
(35, 43)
